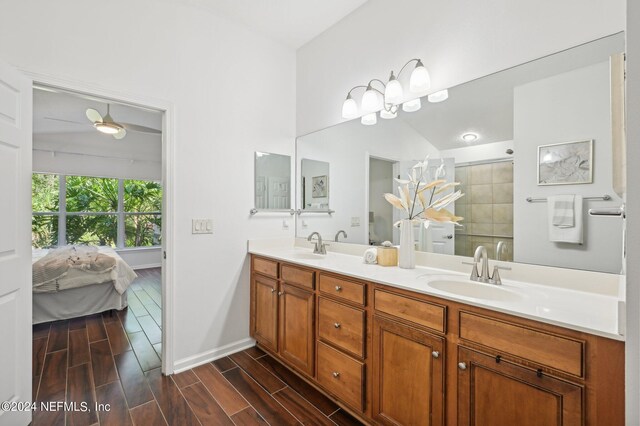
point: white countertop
(578, 310)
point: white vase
(407, 255)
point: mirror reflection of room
(486, 135)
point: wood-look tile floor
(114, 358)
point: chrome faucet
(338, 234)
(320, 247)
(501, 249)
(481, 256)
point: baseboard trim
(147, 266)
(208, 356)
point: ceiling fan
(106, 124)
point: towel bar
(605, 197)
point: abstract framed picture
(319, 187)
(567, 163)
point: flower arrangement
(422, 200)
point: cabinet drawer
(560, 353)
(265, 267)
(349, 291)
(341, 375)
(341, 325)
(420, 312)
(297, 276)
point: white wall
(568, 107)
(233, 93)
(632, 346)
(457, 40)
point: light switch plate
(355, 221)
(202, 226)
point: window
(98, 211)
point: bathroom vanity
(398, 351)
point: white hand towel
(563, 232)
(563, 210)
(371, 256)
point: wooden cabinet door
(408, 374)
(264, 311)
(499, 393)
(296, 327)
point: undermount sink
(308, 256)
(475, 290)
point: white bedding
(121, 276)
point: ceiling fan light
(439, 96)
(370, 100)
(393, 92)
(419, 80)
(349, 108)
(107, 128)
(369, 119)
(412, 105)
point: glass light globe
(349, 108)
(419, 80)
(440, 96)
(388, 115)
(393, 93)
(370, 100)
(369, 119)
(412, 106)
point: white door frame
(168, 157)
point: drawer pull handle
(336, 374)
(498, 359)
(336, 325)
(435, 354)
(462, 365)
(539, 372)
(338, 288)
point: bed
(63, 292)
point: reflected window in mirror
(272, 181)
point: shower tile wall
(487, 208)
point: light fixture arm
(354, 88)
(418, 60)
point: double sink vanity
(429, 346)
(536, 341)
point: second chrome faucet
(481, 256)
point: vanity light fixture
(412, 105)
(388, 99)
(469, 137)
(439, 96)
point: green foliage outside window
(96, 195)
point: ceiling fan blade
(93, 115)
(65, 121)
(121, 134)
(138, 128)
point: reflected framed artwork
(568, 163)
(319, 188)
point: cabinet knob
(338, 288)
(273, 290)
(336, 325)
(336, 374)
(435, 354)
(280, 293)
(462, 365)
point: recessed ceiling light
(469, 137)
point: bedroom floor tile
(97, 362)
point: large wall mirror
(273, 181)
(488, 135)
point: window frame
(62, 213)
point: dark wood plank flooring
(114, 358)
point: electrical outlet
(285, 224)
(202, 226)
(304, 224)
(355, 221)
